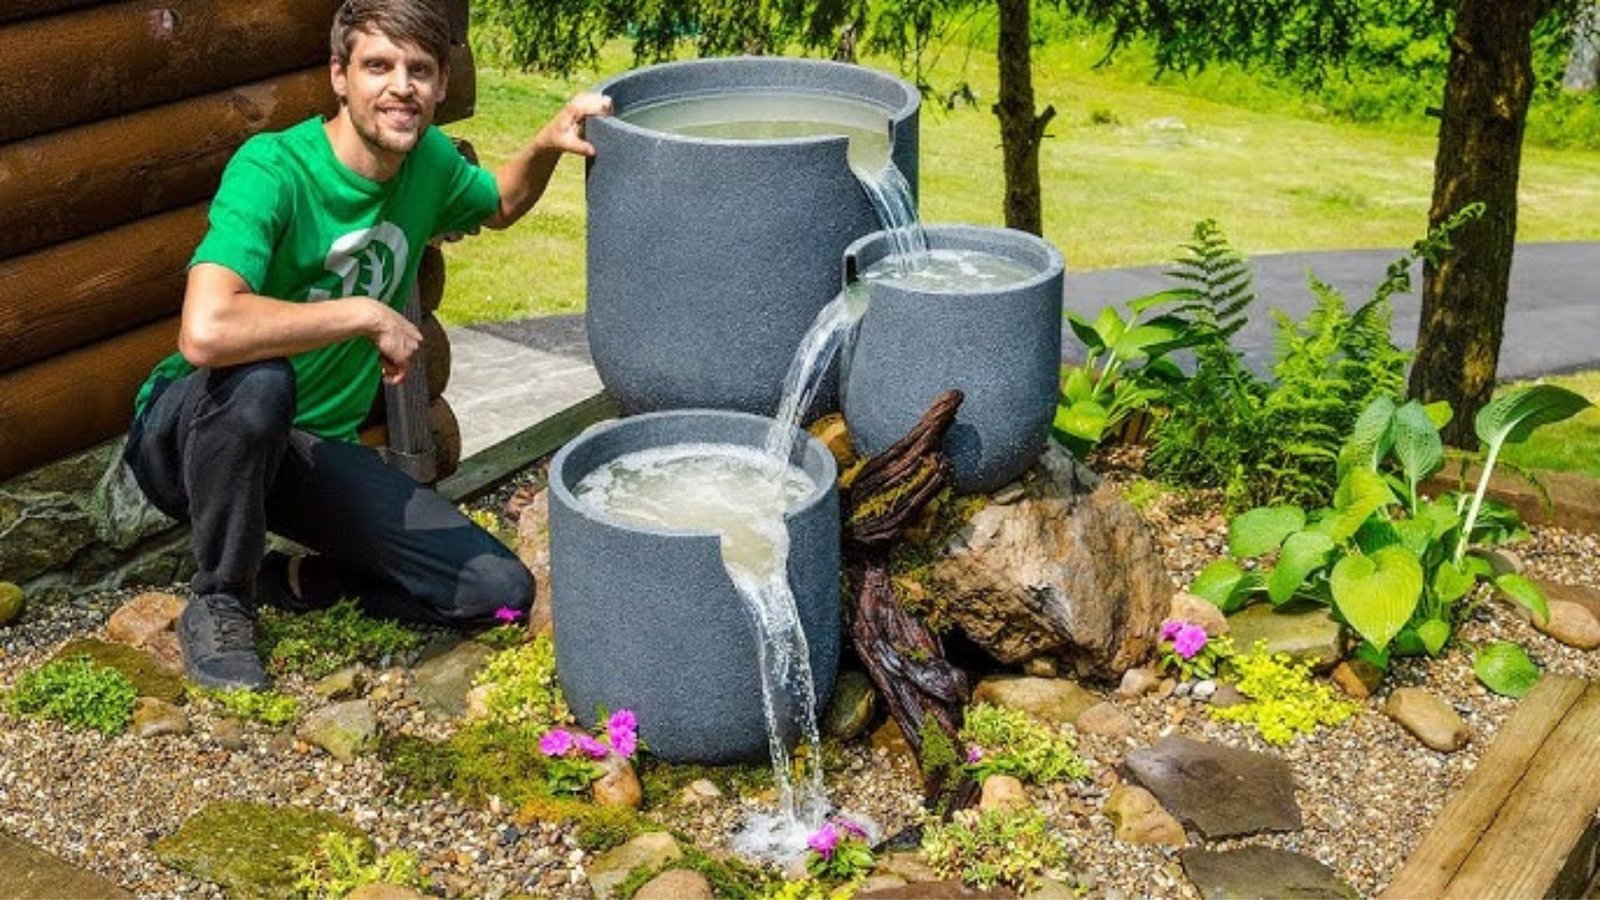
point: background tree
(1483, 115)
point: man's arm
(225, 324)
(523, 179)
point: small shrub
(77, 693)
(267, 707)
(522, 686)
(340, 864)
(1004, 741)
(1009, 847)
(1189, 651)
(322, 642)
(1285, 702)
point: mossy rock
(249, 848)
(147, 675)
(10, 603)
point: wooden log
(81, 291)
(75, 400)
(14, 10)
(436, 349)
(461, 94)
(431, 278)
(459, 14)
(446, 437)
(62, 71)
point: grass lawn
(1570, 446)
(1131, 166)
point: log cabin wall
(116, 121)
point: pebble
(1204, 690)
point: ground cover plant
(319, 643)
(1285, 702)
(77, 693)
(270, 708)
(340, 864)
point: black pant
(217, 448)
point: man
(289, 319)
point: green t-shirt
(297, 224)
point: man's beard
(370, 130)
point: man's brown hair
(417, 22)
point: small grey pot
(999, 346)
(648, 619)
(709, 258)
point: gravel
(1367, 790)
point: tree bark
(1021, 130)
(1583, 63)
(1480, 153)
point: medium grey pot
(708, 258)
(998, 346)
(647, 619)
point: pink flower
(824, 839)
(974, 754)
(852, 829)
(1170, 628)
(507, 614)
(591, 747)
(556, 742)
(1189, 641)
(624, 743)
(622, 720)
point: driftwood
(903, 657)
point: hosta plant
(1394, 564)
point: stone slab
(499, 387)
(1221, 791)
(1255, 872)
(28, 873)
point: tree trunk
(1583, 64)
(1021, 131)
(1480, 153)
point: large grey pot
(647, 619)
(708, 258)
(998, 346)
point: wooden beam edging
(488, 468)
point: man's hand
(396, 338)
(564, 133)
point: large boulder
(1065, 572)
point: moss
(322, 642)
(76, 692)
(597, 828)
(480, 761)
(249, 848)
(267, 707)
(664, 781)
(149, 679)
(730, 879)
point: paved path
(28, 873)
(508, 375)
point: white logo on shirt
(368, 262)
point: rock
(229, 734)
(890, 739)
(699, 791)
(478, 702)
(1308, 635)
(139, 620)
(1429, 719)
(854, 703)
(1357, 678)
(935, 890)
(907, 865)
(248, 849)
(1003, 792)
(880, 883)
(1061, 573)
(1186, 607)
(619, 786)
(676, 884)
(347, 682)
(1581, 594)
(1055, 700)
(11, 600)
(1227, 695)
(1051, 889)
(1138, 682)
(1009, 494)
(611, 868)
(150, 678)
(152, 717)
(1571, 624)
(1041, 667)
(1204, 689)
(1166, 688)
(533, 548)
(1141, 819)
(834, 433)
(1261, 872)
(165, 652)
(1106, 719)
(383, 891)
(442, 682)
(343, 729)
(1221, 791)
(1503, 560)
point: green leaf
(1524, 592)
(1361, 493)
(1451, 582)
(1515, 414)
(1416, 443)
(1085, 420)
(1226, 584)
(1377, 594)
(1302, 554)
(1376, 534)
(1085, 332)
(1439, 413)
(1262, 530)
(1110, 327)
(1135, 343)
(1139, 305)
(1433, 634)
(1505, 668)
(1077, 385)
(1441, 516)
(1369, 437)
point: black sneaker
(273, 588)
(218, 637)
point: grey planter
(648, 619)
(708, 259)
(999, 346)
